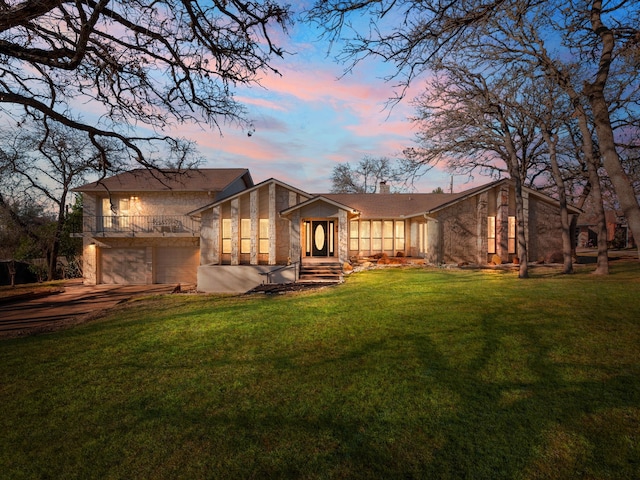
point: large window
(354, 235)
(399, 236)
(226, 235)
(387, 231)
(264, 236)
(491, 234)
(376, 236)
(245, 235)
(512, 234)
(115, 212)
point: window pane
(264, 245)
(512, 234)
(491, 234)
(264, 228)
(245, 227)
(245, 245)
(399, 236)
(226, 245)
(226, 228)
(388, 229)
(365, 229)
(353, 229)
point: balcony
(139, 226)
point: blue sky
(309, 119)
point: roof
(391, 205)
(185, 180)
(226, 198)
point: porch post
(272, 224)
(235, 237)
(525, 213)
(343, 237)
(481, 232)
(216, 225)
(253, 209)
(502, 223)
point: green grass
(408, 373)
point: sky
(312, 118)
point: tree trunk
(567, 244)
(602, 122)
(523, 271)
(619, 178)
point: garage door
(123, 266)
(177, 264)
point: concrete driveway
(76, 304)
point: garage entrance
(122, 266)
(176, 264)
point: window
(264, 236)
(245, 235)
(388, 235)
(365, 236)
(512, 234)
(400, 236)
(353, 235)
(491, 234)
(113, 211)
(226, 235)
(376, 236)
(423, 231)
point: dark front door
(319, 239)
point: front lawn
(399, 373)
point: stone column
(502, 223)
(272, 223)
(343, 237)
(482, 241)
(255, 226)
(235, 231)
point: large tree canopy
(133, 63)
(590, 48)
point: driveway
(75, 304)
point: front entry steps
(321, 272)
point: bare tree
(474, 120)
(416, 35)
(40, 166)
(366, 176)
(150, 64)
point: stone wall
(546, 230)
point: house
(135, 225)
(619, 234)
(218, 229)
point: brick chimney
(384, 188)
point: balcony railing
(147, 225)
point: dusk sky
(308, 120)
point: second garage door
(177, 264)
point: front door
(319, 239)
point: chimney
(384, 188)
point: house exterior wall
(244, 214)
(544, 220)
(141, 207)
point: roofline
(100, 182)
(317, 198)
(248, 190)
(477, 190)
